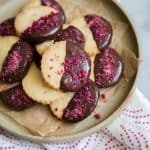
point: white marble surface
(139, 11)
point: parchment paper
(39, 120)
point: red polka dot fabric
(130, 131)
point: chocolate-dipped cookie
(90, 44)
(7, 27)
(17, 61)
(16, 99)
(82, 104)
(101, 30)
(50, 3)
(108, 68)
(65, 66)
(77, 68)
(37, 24)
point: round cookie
(7, 27)
(108, 68)
(6, 43)
(101, 30)
(90, 44)
(82, 104)
(36, 88)
(66, 66)
(16, 60)
(71, 34)
(37, 24)
(54, 4)
(16, 99)
(50, 3)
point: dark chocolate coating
(37, 58)
(101, 30)
(17, 62)
(71, 34)
(83, 103)
(55, 5)
(44, 28)
(16, 99)
(108, 68)
(77, 68)
(7, 27)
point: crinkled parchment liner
(39, 120)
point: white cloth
(131, 130)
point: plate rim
(107, 121)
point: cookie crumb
(51, 68)
(51, 59)
(103, 96)
(49, 76)
(97, 116)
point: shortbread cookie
(101, 30)
(51, 3)
(36, 88)
(16, 64)
(71, 34)
(66, 66)
(7, 27)
(16, 99)
(57, 107)
(37, 24)
(90, 44)
(108, 68)
(83, 103)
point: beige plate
(114, 108)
